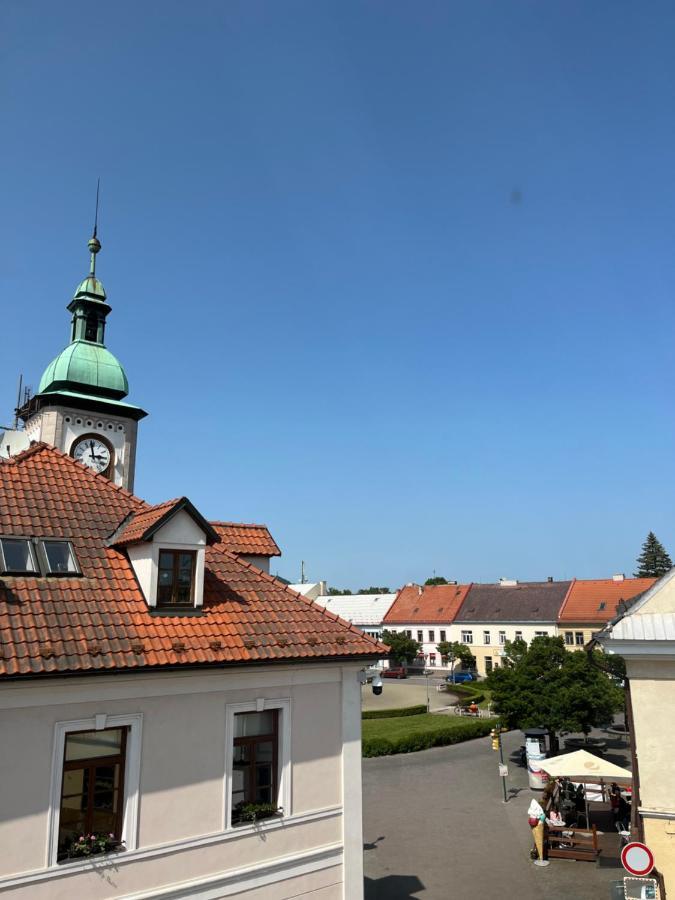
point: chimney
(619, 577)
(419, 589)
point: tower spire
(94, 243)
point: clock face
(93, 453)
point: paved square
(436, 828)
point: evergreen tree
(654, 560)
(438, 579)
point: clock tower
(79, 406)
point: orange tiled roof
(431, 603)
(100, 621)
(584, 598)
(243, 539)
(140, 526)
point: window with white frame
(432, 635)
(420, 635)
(569, 638)
(486, 637)
(467, 637)
(579, 638)
(442, 635)
(519, 635)
(541, 634)
(95, 783)
(502, 637)
(258, 761)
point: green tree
(654, 560)
(455, 653)
(374, 590)
(336, 592)
(438, 579)
(546, 686)
(403, 649)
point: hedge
(423, 740)
(394, 713)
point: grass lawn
(382, 737)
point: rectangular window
(432, 636)
(442, 635)
(255, 761)
(579, 638)
(569, 638)
(420, 636)
(408, 634)
(486, 637)
(432, 659)
(502, 637)
(175, 585)
(92, 789)
(488, 665)
(467, 637)
(17, 556)
(541, 634)
(519, 635)
(60, 558)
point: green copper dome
(88, 368)
(91, 287)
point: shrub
(422, 740)
(394, 713)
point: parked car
(460, 677)
(395, 672)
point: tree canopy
(437, 579)
(374, 590)
(545, 685)
(403, 648)
(654, 560)
(455, 652)
(336, 592)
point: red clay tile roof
(437, 603)
(100, 620)
(246, 540)
(584, 599)
(140, 526)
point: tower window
(91, 329)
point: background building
(591, 603)
(365, 611)
(492, 614)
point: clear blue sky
(397, 279)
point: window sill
(78, 861)
(175, 610)
(275, 817)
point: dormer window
(17, 556)
(175, 584)
(60, 558)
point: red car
(399, 672)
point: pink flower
(92, 837)
(81, 837)
(111, 835)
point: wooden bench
(577, 843)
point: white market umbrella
(583, 766)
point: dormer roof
(99, 620)
(141, 526)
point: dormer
(166, 545)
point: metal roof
(360, 609)
(644, 627)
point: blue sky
(395, 278)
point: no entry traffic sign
(637, 858)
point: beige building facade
(178, 836)
(645, 638)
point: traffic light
(494, 734)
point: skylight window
(602, 604)
(60, 558)
(17, 556)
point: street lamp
(426, 675)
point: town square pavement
(436, 828)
